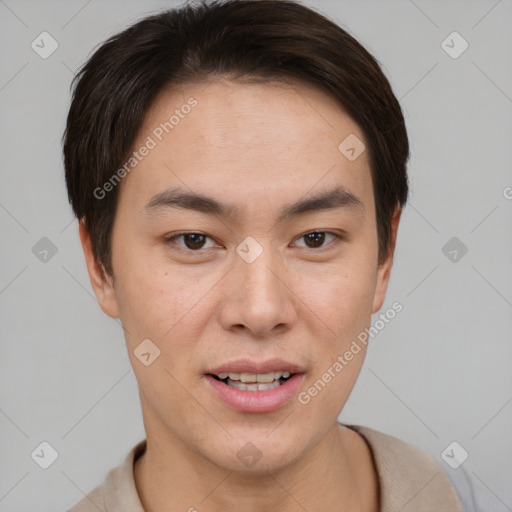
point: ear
(102, 283)
(384, 269)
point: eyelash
(338, 238)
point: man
(238, 169)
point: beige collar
(410, 479)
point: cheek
(163, 305)
(343, 303)
(154, 307)
(147, 304)
(342, 297)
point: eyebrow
(338, 197)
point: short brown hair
(261, 40)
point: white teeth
(264, 386)
(266, 377)
(254, 377)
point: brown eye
(316, 239)
(192, 241)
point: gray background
(439, 372)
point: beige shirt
(410, 480)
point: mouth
(247, 386)
(254, 381)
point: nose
(260, 299)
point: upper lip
(249, 366)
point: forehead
(254, 142)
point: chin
(258, 454)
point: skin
(258, 147)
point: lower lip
(256, 401)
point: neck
(338, 470)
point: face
(252, 276)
